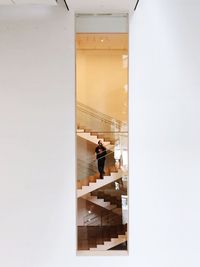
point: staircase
(104, 230)
(101, 237)
(99, 183)
(94, 125)
(112, 243)
(100, 202)
(113, 199)
(93, 137)
(104, 204)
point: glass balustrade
(89, 118)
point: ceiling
(20, 2)
(101, 41)
(101, 6)
(84, 6)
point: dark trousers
(101, 163)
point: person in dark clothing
(100, 152)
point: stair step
(121, 239)
(101, 202)
(112, 243)
(99, 183)
(96, 200)
(91, 184)
(80, 131)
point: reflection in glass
(102, 115)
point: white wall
(37, 206)
(167, 145)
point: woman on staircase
(100, 153)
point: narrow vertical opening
(102, 134)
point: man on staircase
(100, 153)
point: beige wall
(101, 79)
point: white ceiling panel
(101, 6)
(24, 2)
